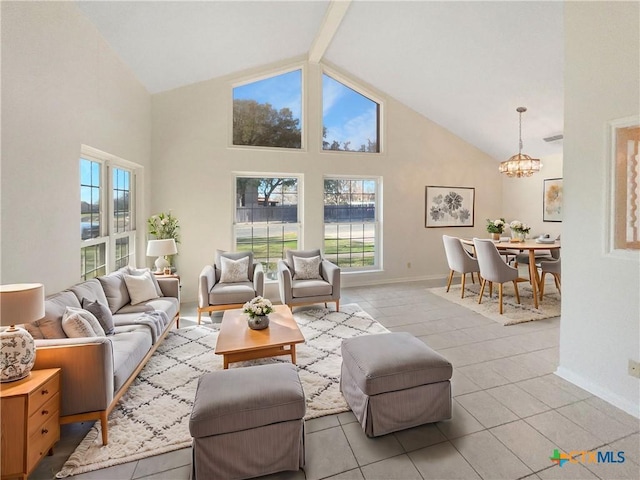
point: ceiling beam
(332, 19)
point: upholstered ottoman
(248, 422)
(393, 381)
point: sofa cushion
(307, 268)
(91, 290)
(130, 344)
(142, 271)
(78, 323)
(115, 290)
(50, 326)
(234, 271)
(101, 312)
(140, 287)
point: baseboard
(604, 393)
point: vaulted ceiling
(465, 65)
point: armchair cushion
(231, 293)
(300, 254)
(307, 268)
(233, 256)
(234, 271)
(310, 288)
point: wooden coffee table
(237, 342)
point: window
(350, 121)
(107, 213)
(266, 220)
(268, 113)
(351, 222)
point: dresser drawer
(42, 440)
(43, 414)
(44, 393)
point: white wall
(600, 328)
(62, 86)
(522, 197)
(193, 168)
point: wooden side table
(30, 413)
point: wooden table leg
(293, 353)
(533, 275)
(225, 361)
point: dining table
(531, 246)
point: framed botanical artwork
(449, 206)
(552, 200)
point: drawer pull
(45, 392)
(45, 412)
(44, 431)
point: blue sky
(347, 115)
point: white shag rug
(513, 312)
(153, 415)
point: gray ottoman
(393, 381)
(248, 422)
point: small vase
(259, 322)
(495, 236)
(518, 236)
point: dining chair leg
(484, 281)
(490, 289)
(556, 277)
(472, 279)
(500, 296)
(515, 286)
(450, 278)
(541, 287)
(464, 276)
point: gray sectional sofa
(96, 371)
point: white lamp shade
(21, 303)
(158, 248)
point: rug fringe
(74, 461)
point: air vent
(554, 138)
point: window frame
(303, 106)
(365, 92)
(377, 223)
(298, 225)
(108, 235)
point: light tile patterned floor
(509, 410)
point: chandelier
(520, 165)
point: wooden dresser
(30, 413)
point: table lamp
(161, 248)
(19, 303)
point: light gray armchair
(305, 278)
(220, 290)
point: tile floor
(509, 409)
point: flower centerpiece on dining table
(496, 227)
(519, 231)
(258, 310)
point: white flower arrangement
(258, 307)
(519, 227)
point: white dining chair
(459, 260)
(494, 269)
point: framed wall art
(449, 206)
(625, 184)
(552, 200)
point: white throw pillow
(78, 323)
(141, 287)
(307, 268)
(140, 271)
(234, 271)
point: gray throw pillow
(102, 313)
